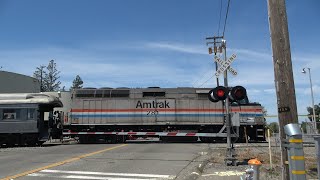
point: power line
(205, 82)
(225, 20)
(220, 13)
(203, 77)
(195, 82)
(220, 17)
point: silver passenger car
(22, 118)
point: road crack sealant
(196, 170)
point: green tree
(304, 126)
(317, 112)
(48, 76)
(39, 75)
(274, 127)
(51, 78)
(77, 83)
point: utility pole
(284, 83)
(215, 50)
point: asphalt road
(134, 160)
(102, 161)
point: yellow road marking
(295, 140)
(298, 172)
(60, 163)
(297, 157)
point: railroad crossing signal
(221, 93)
(238, 93)
(225, 64)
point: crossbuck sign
(225, 64)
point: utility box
(235, 119)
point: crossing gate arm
(150, 134)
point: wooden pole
(245, 134)
(270, 152)
(284, 83)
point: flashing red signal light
(219, 93)
(238, 93)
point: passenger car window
(11, 114)
(31, 113)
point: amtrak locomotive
(113, 115)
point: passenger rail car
(112, 115)
(22, 119)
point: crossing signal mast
(225, 93)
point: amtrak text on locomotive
(152, 104)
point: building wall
(18, 83)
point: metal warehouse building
(17, 83)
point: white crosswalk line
(82, 177)
(107, 174)
(38, 175)
(97, 175)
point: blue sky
(157, 43)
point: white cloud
(257, 75)
(254, 91)
(261, 91)
(186, 48)
(315, 88)
(271, 91)
(253, 74)
(252, 55)
(98, 70)
(247, 54)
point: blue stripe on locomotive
(159, 115)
